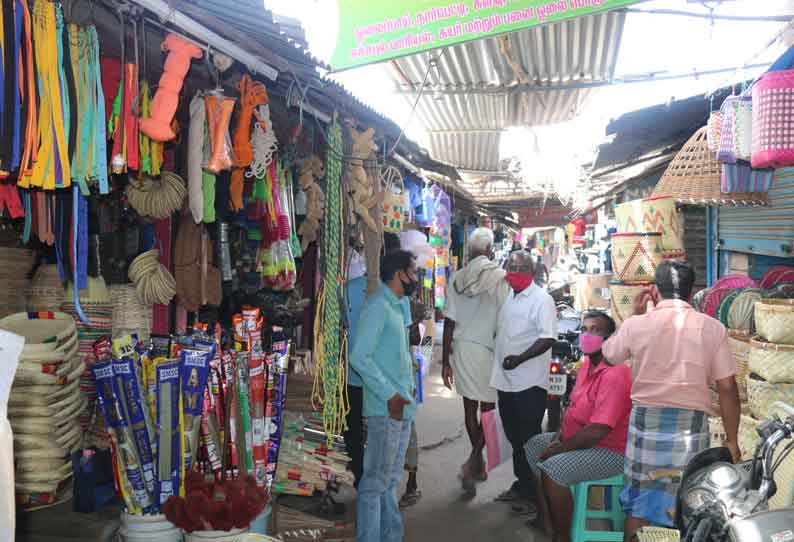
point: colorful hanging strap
(99, 169)
(24, 153)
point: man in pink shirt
(593, 436)
(675, 353)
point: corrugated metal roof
(474, 87)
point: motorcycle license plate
(558, 384)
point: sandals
(509, 496)
(410, 499)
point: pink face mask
(590, 343)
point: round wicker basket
(635, 256)
(622, 299)
(774, 320)
(772, 362)
(46, 291)
(694, 177)
(130, 316)
(741, 316)
(761, 395)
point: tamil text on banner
(370, 32)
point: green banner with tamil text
(371, 31)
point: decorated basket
(622, 299)
(741, 316)
(723, 310)
(772, 362)
(770, 277)
(635, 256)
(774, 320)
(727, 150)
(761, 395)
(784, 278)
(773, 132)
(713, 135)
(743, 127)
(658, 214)
(697, 299)
(712, 300)
(736, 280)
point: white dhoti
(472, 364)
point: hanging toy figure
(163, 108)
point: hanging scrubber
(153, 283)
(180, 53)
(157, 199)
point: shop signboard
(536, 217)
(373, 31)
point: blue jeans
(379, 518)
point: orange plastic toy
(163, 108)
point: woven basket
(622, 299)
(770, 277)
(712, 300)
(694, 177)
(15, 263)
(748, 436)
(740, 352)
(636, 255)
(653, 215)
(723, 310)
(46, 292)
(697, 299)
(741, 316)
(129, 315)
(772, 362)
(736, 280)
(713, 132)
(761, 395)
(658, 534)
(774, 320)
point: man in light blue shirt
(354, 298)
(382, 358)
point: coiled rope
(330, 340)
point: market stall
(183, 230)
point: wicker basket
(694, 177)
(658, 534)
(636, 255)
(129, 315)
(724, 308)
(622, 299)
(741, 316)
(772, 362)
(774, 320)
(653, 215)
(771, 276)
(748, 436)
(46, 292)
(761, 395)
(740, 351)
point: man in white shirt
(526, 331)
(474, 297)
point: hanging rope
(330, 341)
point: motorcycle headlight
(698, 497)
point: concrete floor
(441, 515)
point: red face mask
(518, 281)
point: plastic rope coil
(330, 381)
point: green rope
(332, 365)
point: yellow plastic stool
(614, 513)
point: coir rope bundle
(329, 341)
(153, 282)
(157, 199)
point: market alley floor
(441, 515)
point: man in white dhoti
(474, 297)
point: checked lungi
(659, 439)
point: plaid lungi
(658, 439)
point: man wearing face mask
(526, 331)
(382, 359)
(593, 437)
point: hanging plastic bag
(394, 207)
(497, 448)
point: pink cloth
(677, 353)
(601, 396)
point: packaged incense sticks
(169, 447)
(128, 469)
(194, 368)
(131, 406)
(244, 411)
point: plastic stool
(614, 513)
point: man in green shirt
(382, 358)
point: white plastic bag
(10, 348)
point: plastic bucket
(148, 529)
(214, 536)
(262, 521)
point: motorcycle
(719, 501)
(565, 353)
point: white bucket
(214, 536)
(147, 529)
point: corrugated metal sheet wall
(695, 241)
(768, 231)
